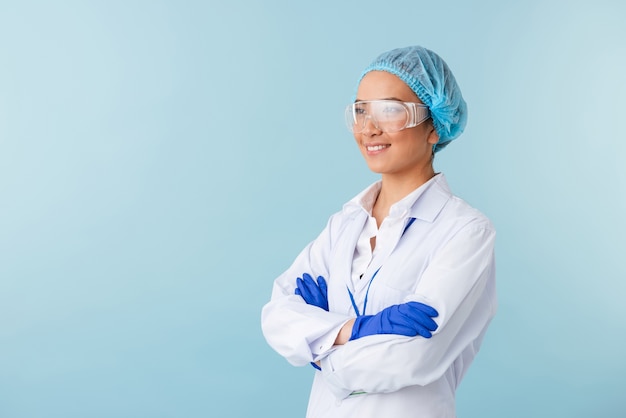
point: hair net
(427, 74)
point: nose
(370, 128)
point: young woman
(391, 302)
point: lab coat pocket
(383, 296)
(405, 276)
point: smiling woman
(405, 273)
(406, 153)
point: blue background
(162, 162)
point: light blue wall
(161, 162)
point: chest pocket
(395, 282)
(400, 274)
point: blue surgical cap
(427, 74)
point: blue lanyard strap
(356, 308)
(367, 292)
(408, 224)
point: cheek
(358, 140)
(420, 136)
(415, 146)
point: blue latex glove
(313, 293)
(410, 319)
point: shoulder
(463, 212)
(457, 211)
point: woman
(391, 302)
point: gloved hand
(410, 319)
(313, 293)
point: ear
(433, 136)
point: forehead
(377, 85)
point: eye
(359, 110)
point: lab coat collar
(435, 192)
(431, 198)
(363, 202)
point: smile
(376, 147)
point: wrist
(345, 333)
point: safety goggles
(387, 115)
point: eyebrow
(386, 98)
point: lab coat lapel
(425, 209)
(345, 246)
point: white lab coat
(445, 259)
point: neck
(395, 188)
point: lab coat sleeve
(460, 283)
(300, 332)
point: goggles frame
(415, 114)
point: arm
(344, 333)
(300, 332)
(459, 283)
(343, 336)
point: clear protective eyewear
(387, 115)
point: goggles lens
(386, 115)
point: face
(408, 152)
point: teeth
(376, 148)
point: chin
(376, 169)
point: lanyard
(354, 305)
